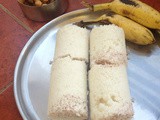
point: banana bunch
(138, 17)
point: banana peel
(133, 9)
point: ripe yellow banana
(134, 32)
(133, 9)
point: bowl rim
(19, 1)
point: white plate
(32, 73)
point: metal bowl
(46, 12)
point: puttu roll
(109, 90)
(68, 84)
(68, 90)
(72, 41)
(111, 99)
(107, 45)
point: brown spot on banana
(129, 2)
(127, 13)
(110, 13)
(157, 21)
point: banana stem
(96, 7)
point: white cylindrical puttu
(68, 84)
(72, 41)
(107, 45)
(68, 90)
(109, 93)
(109, 90)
